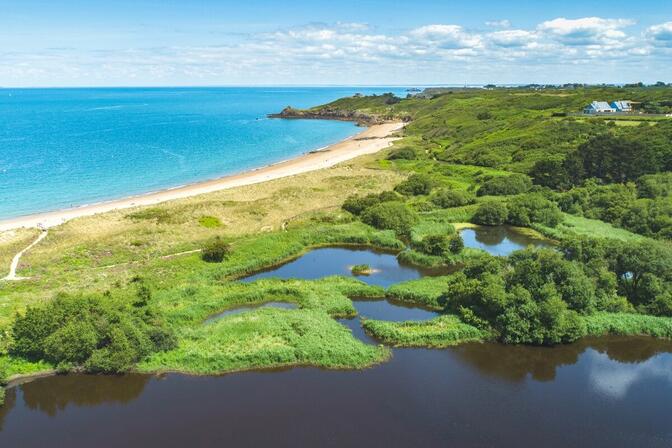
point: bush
(402, 154)
(357, 204)
(456, 244)
(215, 251)
(505, 185)
(90, 331)
(361, 269)
(533, 208)
(438, 245)
(453, 198)
(491, 214)
(390, 216)
(415, 185)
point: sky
(71, 43)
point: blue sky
(207, 42)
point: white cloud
(513, 38)
(357, 53)
(586, 31)
(661, 35)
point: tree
(391, 216)
(215, 250)
(415, 185)
(491, 214)
(551, 173)
(505, 185)
(453, 198)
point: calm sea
(61, 148)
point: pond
(500, 240)
(611, 392)
(319, 263)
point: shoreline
(369, 141)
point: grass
(577, 225)
(443, 331)
(267, 338)
(623, 324)
(425, 291)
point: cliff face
(330, 114)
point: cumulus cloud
(661, 35)
(586, 31)
(357, 52)
(498, 23)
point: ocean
(62, 148)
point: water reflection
(324, 262)
(474, 395)
(499, 240)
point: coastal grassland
(11, 242)
(442, 331)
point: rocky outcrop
(360, 118)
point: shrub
(456, 244)
(491, 214)
(357, 204)
(533, 208)
(90, 331)
(415, 185)
(215, 251)
(390, 216)
(438, 245)
(361, 269)
(402, 154)
(210, 222)
(505, 185)
(453, 198)
(484, 115)
(159, 215)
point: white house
(598, 107)
(622, 106)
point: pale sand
(369, 141)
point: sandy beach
(370, 140)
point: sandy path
(15, 261)
(369, 141)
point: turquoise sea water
(61, 148)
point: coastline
(369, 141)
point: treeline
(95, 333)
(537, 296)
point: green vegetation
(491, 157)
(96, 333)
(361, 269)
(215, 251)
(442, 331)
(210, 222)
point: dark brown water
(604, 393)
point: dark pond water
(243, 309)
(604, 393)
(324, 262)
(499, 240)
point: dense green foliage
(533, 297)
(533, 208)
(215, 250)
(94, 332)
(442, 331)
(491, 214)
(453, 198)
(390, 216)
(415, 185)
(505, 185)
